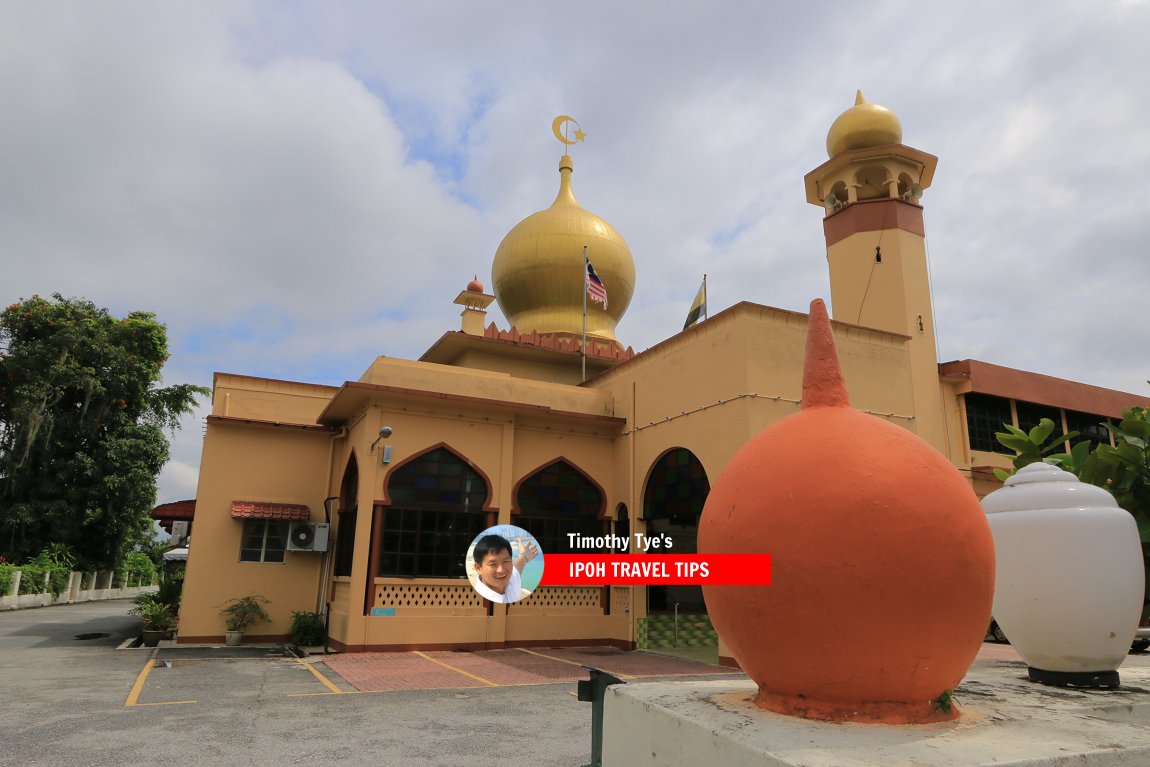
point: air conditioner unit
(307, 536)
(179, 531)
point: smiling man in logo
(499, 575)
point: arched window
(436, 511)
(348, 510)
(558, 500)
(622, 527)
(872, 182)
(676, 489)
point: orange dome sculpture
(883, 562)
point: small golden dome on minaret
(538, 275)
(863, 125)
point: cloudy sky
(297, 187)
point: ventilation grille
(437, 597)
(620, 600)
(564, 599)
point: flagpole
(705, 310)
(585, 262)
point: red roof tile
(175, 510)
(291, 512)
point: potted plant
(157, 619)
(242, 612)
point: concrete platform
(1006, 720)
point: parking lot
(178, 675)
(70, 701)
(70, 697)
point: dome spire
(566, 194)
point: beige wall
(255, 463)
(893, 295)
(505, 444)
(265, 399)
(712, 389)
(708, 390)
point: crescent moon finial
(559, 128)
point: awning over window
(176, 510)
(289, 512)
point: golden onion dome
(863, 125)
(538, 273)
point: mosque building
(362, 499)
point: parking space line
(138, 687)
(326, 682)
(487, 682)
(570, 662)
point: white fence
(82, 587)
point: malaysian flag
(595, 289)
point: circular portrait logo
(504, 563)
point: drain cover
(93, 635)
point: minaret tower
(876, 248)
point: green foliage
(42, 574)
(242, 612)
(170, 592)
(307, 629)
(32, 580)
(156, 615)
(1124, 469)
(6, 572)
(58, 555)
(82, 423)
(1032, 446)
(946, 702)
(137, 568)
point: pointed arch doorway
(673, 499)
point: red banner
(656, 570)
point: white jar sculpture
(1069, 585)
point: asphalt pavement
(70, 701)
(69, 697)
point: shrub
(6, 578)
(32, 579)
(58, 580)
(169, 594)
(307, 629)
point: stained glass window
(436, 511)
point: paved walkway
(376, 672)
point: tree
(82, 422)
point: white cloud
(297, 189)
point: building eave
(1024, 386)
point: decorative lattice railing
(583, 600)
(447, 598)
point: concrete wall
(82, 587)
(254, 462)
